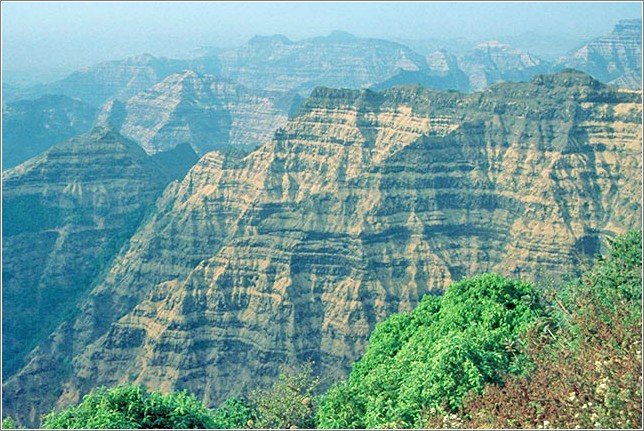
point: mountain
(548, 47)
(176, 162)
(340, 59)
(32, 126)
(443, 74)
(66, 213)
(119, 79)
(361, 204)
(615, 58)
(203, 111)
(493, 61)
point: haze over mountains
(191, 224)
(268, 74)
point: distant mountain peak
(340, 36)
(494, 44)
(629, 26)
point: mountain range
(359, 204)
(239, 97)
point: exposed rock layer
(615, 58)
(361, 204)
(276, 63)
(65, 215)
(200, 110)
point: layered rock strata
(360, 205)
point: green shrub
(434, 356)
(587, 358)
(9, 424)
(289, 403)
(234, 413)
(132, 407)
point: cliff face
(361, 204)
(120, 79)
(65, 215)
(32, 126)
(338, 60)
(200, 110)
(492, 62)
(615, 58)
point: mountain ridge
(363, 202)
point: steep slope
(65, 215)
(338, 60)
(176, 162)
(29, 127)
(119, 79)
(443, 74)
(361, 204)
(615, 58)
(493, 61)
(199, 110)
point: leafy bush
(132, 407)
(434, 356)
(9, 424)
(289, 403)
(587, 357)
(234, 413)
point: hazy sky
(67, 35)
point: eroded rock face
(339, 60)
(615, 58)
(360, 205)
(200, 110)
(493, 61)
(32, 126)
(119, 79)
(65, 215)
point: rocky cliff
(615, 58)
(361, 203)
(65, 215)
(205, 112)
(119, 79)
(337, 60)
(492, 61)
(443, 74)
(32, 126)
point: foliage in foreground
(132, 407)
(490, 353)
(587, 358)
(434, 356)
(9, 424)
(289, 403)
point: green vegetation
(132, 407)
(490, 353)
(433, 357)
(9, 424)
(234, 413)
(289, 403)
(587, 357)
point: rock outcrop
(443, 74)
(362, 203)
(615, 58)
(276, 63)
(492, 62)
(29, 127)
(205, 112)
(119, 79)
(66, 213)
